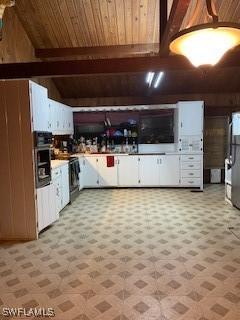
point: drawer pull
(191, 174)
(191, 182)
(191, 158)
(191, 165)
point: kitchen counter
(123, 154)
(58, 163)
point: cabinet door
(65, 185)
(128, 171)
(69, 120)
(90, 172)
(169, 170)
(53, 214)
(190, 118)
(108, 176)
(81, 174)
(40, 108)
(149, 170)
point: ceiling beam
(175, 20)
(163, 16)
(107, 66)
(222, 100)
(97, 66)
(110, 51)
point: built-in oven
(42, 155)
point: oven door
(42, 167)
(74, 171)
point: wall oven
(42, 155)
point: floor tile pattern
(126, 254)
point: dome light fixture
(206, 44)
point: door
(40, 108)
(81, 174)
(128, 171)
(190, 118)
(108, 176)
(65, 185)
(236, 175)
(149, 170)
(169, 170)
(90, 172)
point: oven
(74, 170)
(42, 156)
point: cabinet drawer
(56, 173)
(190, 181)
(190, 165)
(190, 173)
(191, 157)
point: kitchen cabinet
(90, 172)
(40, 108)
(46, 206)
(65, 185)
(60, 178)
(61, 118)
(190, 118)
(149, 170)
(169, 170)
(108, 176)
(128, 174)
(81, 174)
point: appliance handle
(230, 141)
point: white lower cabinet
(46, 206)
(169, 174)
(128, 173)
(60, 178)
(107, 176)
(170, 170)
(149, 170)
(90, 172)
(65, 185)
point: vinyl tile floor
(131, 254)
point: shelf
(42, 163)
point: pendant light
(206, 44)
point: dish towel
(110, 161)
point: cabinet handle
(157, 161)
(139, 181)
(191, 166)
(160, 161)
(191, 158)
(118, 161)
(191, 174)
(191, 182)
(181, 125)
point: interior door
(108, 176)
(169, 170)
(149, 170)
(128, 174)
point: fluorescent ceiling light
(158, 79)
(149, 78)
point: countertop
(123, 154)
(58, 163)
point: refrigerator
(235, 159)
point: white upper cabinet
(61, 118)
(40, 109)
(190, 118)
(128, 174)
(149, 170)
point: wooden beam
(98, 66)
(227, 100)
(110, 51)
(106, 66)
(163, 16)
(175, 20)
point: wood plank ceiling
(94, 23)
(69, 23)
